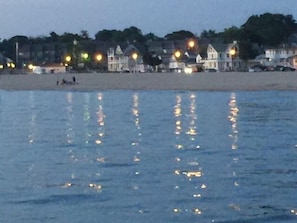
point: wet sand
(229, 81)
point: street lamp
(177, 54)
(135, 56)
(98, 58)
(30, 67)
(85, 56)
(232, 54)
(191, 44)
(68, 59)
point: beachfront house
(223, 57)
(176, 55)
(116, 60)
(42, 53)
(124, 58)
(49, 68)
(285, 56)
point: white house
(49, 69)
(117, 61)
(124, 60)
(286, 56)
(223, 57)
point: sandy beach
(232, 81)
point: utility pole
(17, 53)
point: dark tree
(179, 35)
(210, 34)
(269, 29)
(105, 35)
(8, 47)
(84, 34)
(231, 34)
(247, 50)
(70, 37)
(54, 37)
(151, 37)
(133, 34)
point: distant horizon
(31, 19)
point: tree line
(258, 32)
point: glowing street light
(135, 56)
(68, 59)
(232, 53)
(10, 65)
(85, 56)
(191, 44)
(98, 57)
(177, 54)
(30, 66)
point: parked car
(258, 68)
(210, 70)
(284, 68)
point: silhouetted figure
(74, 79)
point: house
(285, 56)
(223, 57)
(116, 60)
(49, 69)
(42, 53)
(6, 63)
(124, 58)
(176, 55)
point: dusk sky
(40, 17)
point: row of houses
(126, 57)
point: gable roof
(222, 47)
(130, 49)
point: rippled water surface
(148, 156)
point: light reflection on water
(126, 156)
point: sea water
(148, 156)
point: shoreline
(227, 81)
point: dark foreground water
(148, 156)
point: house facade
(223, 57)
(125, 58)
(49, 69)
(187, 52)
(286, 56)
(116, 60)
